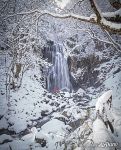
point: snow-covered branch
(116, 45)
(108, 25)
(64, 16)
(96, 10)
(101, 20)
(112, 14)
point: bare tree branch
(108, 25)
(4, 5)
(111, 14)
(96, 10)
(115, 44)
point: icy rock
(101, 135)
(19, 145)
(52, 132)
(18, 126)
(80, 92)
(44, 113)
(4, 146)
(41, 135)
(30, 137)
(5, 138)
(41, 141)
(67, 94)
(103, 99)
(3, 123)
(54, 126)
(60, 117)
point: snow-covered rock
(30, 138)
(104, 98)
(5, 137)
(3, 123)
(18, 124)
(53, 132)
(102, 137)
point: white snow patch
(114, 83)
(4, 137)
(80, 92)
(101, 135)
(53, 131)
(3, 123)
(18, 125)
(116, 26)
(30, 138)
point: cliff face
(92, 62)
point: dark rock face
(88, 76)
(42, 142)
(83, 66)
(49, 51)
(72, 63)
(74, 82)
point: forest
(60, 74)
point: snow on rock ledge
(53, 131)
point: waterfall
(58, 73)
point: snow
(102, 100)
(31, 102)
(112, 14)
(53, 131)
(4, 146)
(93, 16)
(80, 92)
(4, 137)
(55, 115)
(100, 132)
(76, 112)
(111, 81)
(19, 145)
(116, 26)
(3, 123)
(18, 124)
(66, 94)
(26, 105)
(58, 115)
(3, 101)
(62, 3)
(101, 135)
(54, 126)
(30, 137)
(114, 83)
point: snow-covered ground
(61, 119)
(53, 115)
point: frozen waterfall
(58, 73)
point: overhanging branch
(108, 25)
(105, 24)
(96, 10)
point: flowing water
(58, 74)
